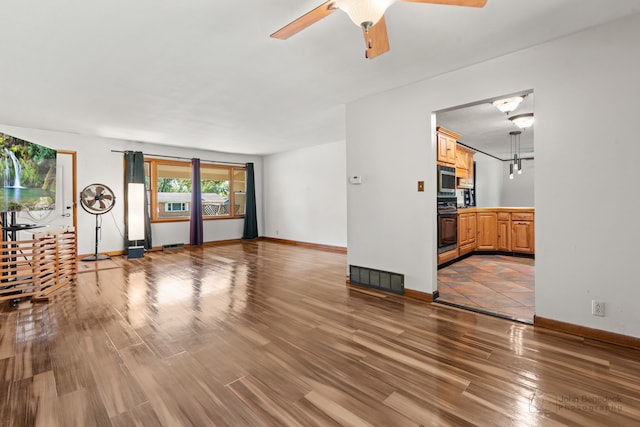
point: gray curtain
(134, 173)
(196, 226)
(250, 215)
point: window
(172, 189)
(239, 190)
(176, 207)
(215, 185)
(223, 190)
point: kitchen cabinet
(504, 231)
(464, 166)
(493, 229)
(522, 233)
(446, 143)
(466, 233)
(447, 256)
(487, 237)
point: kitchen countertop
(500, 209)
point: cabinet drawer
(522, 216)
(504, 216)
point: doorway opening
(492, 267)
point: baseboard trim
(328, 248)
(110, 253)
(586, 332)
(220, 242)
(422, 296)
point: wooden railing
(35, 268)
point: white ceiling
(206, 74)
(485, 128)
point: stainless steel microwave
(446, 180)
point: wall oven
(447, 225)
(446, 181)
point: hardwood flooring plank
(82, 408)
(8, 334)
(43, 399)
(140, 416)
(422, 414)
(334, 410)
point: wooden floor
(266, 334)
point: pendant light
(515, 162)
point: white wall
(97, 164)
(585, 128)
(306, 195)
(489, 181)
(519, 191)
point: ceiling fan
(367, 14)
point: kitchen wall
(494, 188)
(489, 181)
(97, 164)
(306, 195)
(585, 125)
(519, 191)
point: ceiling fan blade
(102, 204)
(325, 9)
(91, 202)
(469, 3)
(99, 191)
(107, 197)
(376, 39)
(88, 194)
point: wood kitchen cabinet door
(522, 235)
(446, 142)
(487, 238)
(466, 233)
(504, 234)
(446, 149)
(464, 166)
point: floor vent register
(378, 279)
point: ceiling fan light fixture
(523, 121)
(364, 13)
(507, 105)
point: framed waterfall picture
(27, 177)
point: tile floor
(495, 284)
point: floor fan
(97, 199)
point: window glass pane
(215, 190)
(173, 190)
(239, 189)
(147, 176)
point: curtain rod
(184, 158)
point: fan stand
(96, 256)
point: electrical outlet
(597, 308)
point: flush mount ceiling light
(367, 14)
(523, 121)
(507, 105)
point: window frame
(153, 190)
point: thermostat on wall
(355, 179)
